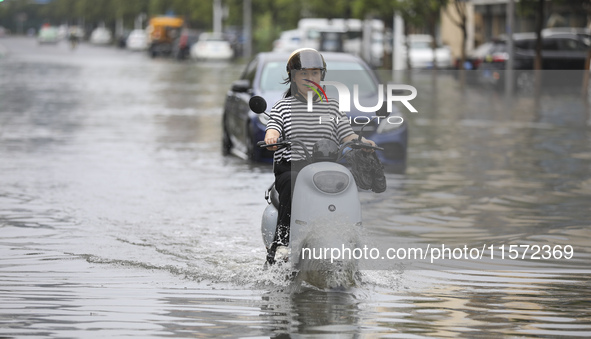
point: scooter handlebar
(351, 144)
(262, 144)
(359, 145)
(365, 146)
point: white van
(312, 29)
(289, 41)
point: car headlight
(264, 119)
(331, 181)
(390, 124)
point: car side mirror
(257, 104)
(383, 111)
(380, 113)
(241, 86)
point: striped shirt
(290, 117)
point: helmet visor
(305, 59)
(309, 60)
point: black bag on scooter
(367, 170)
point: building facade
(487, 19)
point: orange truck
(162, 32)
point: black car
(561, 53)
(264, 76)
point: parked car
(377, 49)
(332, 40)
(48, 35)
(288, 41)
(62, 32)
(421, 53)
(181, 47)
(560, 52)
(101, 36)
(475, 58)
(212, 46)
(137, 40)
(265, 75)
(582, 33)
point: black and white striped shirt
(290, 117)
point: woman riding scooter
(290, 119)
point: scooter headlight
(331, 181)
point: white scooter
(325, 214)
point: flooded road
(120, 217)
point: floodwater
(119, 217)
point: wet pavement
(120, 217)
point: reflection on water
(119, 215)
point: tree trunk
(463, 55)
(539, 27)
(407, 46)
(433, 43)
(585, 89)
(538, 60)
(464, 38)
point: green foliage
(263, 33)
(328, 8)
(270, 17)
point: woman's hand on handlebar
(354, 137)
(369, 146)
(272, 137)
(367, 141)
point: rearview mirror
(257, 104)
(241, 86)
(383, 112)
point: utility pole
(509, 74)
(217, 16)
(247, 29)
(398, 62)
(139, 21)
(366, 52)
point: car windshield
(346, 72)
(210, 38)
(272, 77)
(48, 31)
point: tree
(412, 17)
(376, 9)
(462, 23)
(585, 7)
(536, 8)
(422, 13)
(431, 11)
(274, 16)
(329, 9)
